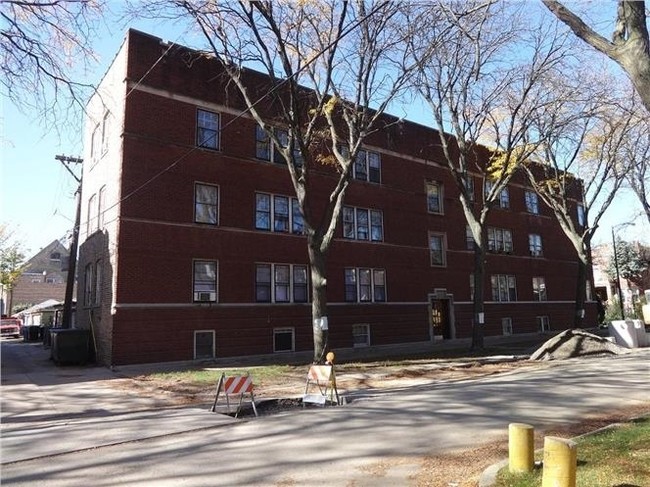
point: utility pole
(72, 265)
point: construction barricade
(235, 386)
(321, 386)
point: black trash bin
(31, 333)
(70, 345)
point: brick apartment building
(193, 249)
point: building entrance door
(441, 318)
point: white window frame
(470, 244)
(277, 331)
(101, 207)
(503, 197)
(265, 149)
(539, 289)
(211, 293)
(105, 132)
(207, 204)
(442, 239)
(471, 287)
(506, 326)
(211, 332)
(532, 202)
(468, 182)
(581, 217)
(295, 223)
(352, 227)
(92, 206)
(373, 287)
(504, 288)
(365, 165)
(436, 187)
(88, 285)
(361, 330)
(95, 147)
(202, 116)
(274, 285)
(98, 282)
(543, 323)
(535, 246)
(499, 240)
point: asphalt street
(71, 430)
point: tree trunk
(318, 265)
(479, 299)
(10, 299)
(581, 292)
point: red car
(10, 327)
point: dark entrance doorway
(441, 318)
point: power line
(346, 31)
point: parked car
(11, 327)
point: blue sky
(37, 197)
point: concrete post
(560, 462)
(521, 451)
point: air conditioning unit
(205, 297)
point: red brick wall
(155, 317)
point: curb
(489, 475)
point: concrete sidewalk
(50, 410)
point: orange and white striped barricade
(323, 378)
(237, 385)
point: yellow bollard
(521, 453)
(560, 462)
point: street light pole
(618, 277)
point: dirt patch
(174, 392)
(463, 468)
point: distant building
(44, 278)
(605, 285)
(191, 246)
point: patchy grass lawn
(618, 456)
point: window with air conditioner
(205, 281)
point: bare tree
(331, 74)
(41, 44)
(629, 47)
(581, 171)
(635, 152)
(482, 94)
